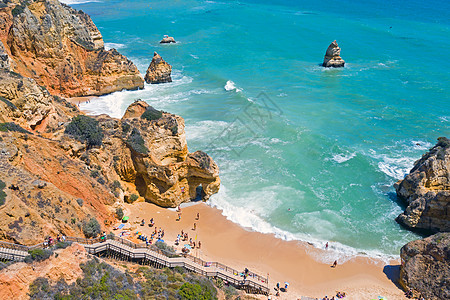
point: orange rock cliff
(54, 179)
(62, 49)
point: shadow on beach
(392, 272)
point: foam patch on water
(230, 86)
(109, 46)
(161, 96)
(341, 157)
(400, 157)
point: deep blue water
(305, 152)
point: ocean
(306, 153)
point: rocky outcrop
(167, 40)
(24, 102)
(62, 49)
(425, 268)
(332, 56)
(426, 190)
(5, 61)
(158, 71)
(151, 153)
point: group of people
(49, 241)
(339, 295)
(278, 288)
(151, 223)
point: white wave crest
(230, 85)
(340, 158)
(109, 46)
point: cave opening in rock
(199, 193)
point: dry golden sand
(230, 244)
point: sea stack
(426, 191)
(167, 40)
(158, 71)
(332, 57)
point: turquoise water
(306, 153)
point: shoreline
(292, 261)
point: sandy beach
(282, 261)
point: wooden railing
(141, 252)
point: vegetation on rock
(2, 193)
(151, 114)
(12, 127)
(102, 281)
(91, 228)
(85, 129)
(119, 213)
(38, 255)
(136, 142)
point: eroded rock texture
(426, 190)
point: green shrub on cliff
(12, 127)
(151, 114)
(85, 129)
(91, 228)
(136, 142)
(2, 193)
(38, 255)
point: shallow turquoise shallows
(305, 152)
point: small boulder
(158, 71)
(167, 40)
(332, 57)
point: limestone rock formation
(426, 190)
(5, 61)
(24, 102)
(158, 71)
(152, 154)
(332, 57)
(425, 269)
(167, 40)
(62, 49)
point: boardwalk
(122, 249)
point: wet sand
(293, 261)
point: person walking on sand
(195, 226)
(198, 216)
(334, 264)
(199, 244)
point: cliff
(62, 49)
(55, 180)
(151, 153)
(425, 269)
(426, 190)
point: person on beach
(199, 244)
(286, 284)
(198, 216)
(334, 264)
(195, 226)
(193, 245)
(278, 286)
(326, 246)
